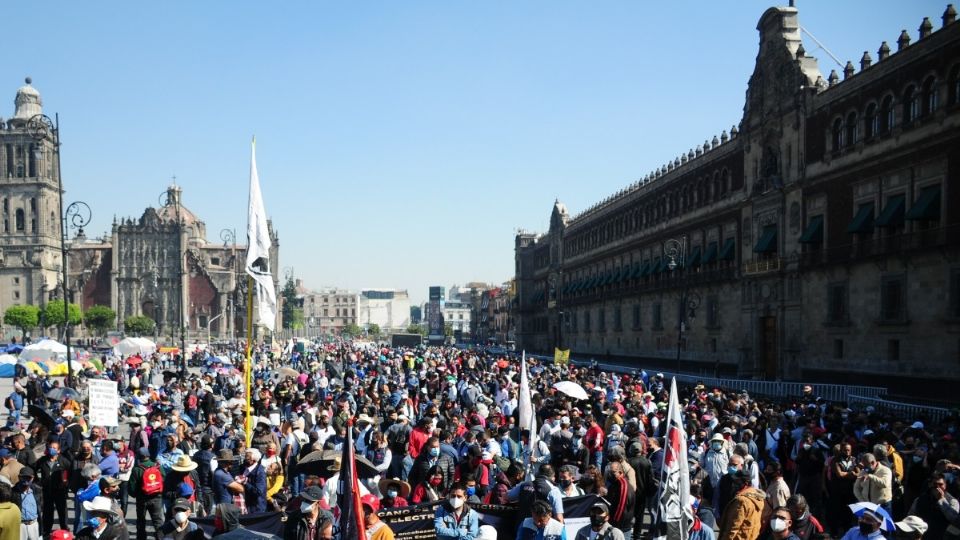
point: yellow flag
(561, 356)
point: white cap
(912, 524)
(917, 425)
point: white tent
(135, 345)
(46, 349)
(7, 359)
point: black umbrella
(326, 463)
(41, 415)
(64, 392)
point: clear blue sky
(400, 144)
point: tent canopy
(135, 345)
(47, 349)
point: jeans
(407, 466)
(296, 484)
(154, 505)
(124, 497)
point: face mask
(306, 507)
(717, 446)
(778, 525)
(565, 483)
(732, 470)
(456, 502)
(807, 446)
(180, 517)
(391, 493)
(866, 529)
(435, 481)
(93, 523)
(51, 452)
(271, 452)
(598, 521)
(696, 504)
(917, 459)
(471, 491)
(434, 452)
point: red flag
(348, 503)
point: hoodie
(742, 518)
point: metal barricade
(903, 410)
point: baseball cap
(912, 524)
(372, 501)
(181, 504)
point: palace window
(636, 314)
(892, 300)
(872, 124)
(954, 87)
(837, 141)
(19, 220)
(852, 133)
(911, 104)
(837, 303)
(931, 96)
(656, 317)
(887, 118)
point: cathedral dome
(28, 102)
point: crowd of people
(440, 425)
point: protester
(454, 519)
(375, 529)
(540, 525)
(599, 526)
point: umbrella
(64, 392)
(859, 508)
(134, 361)
(41, 415)
(325, 463)
(288, 372)
(571, 389)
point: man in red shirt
(419, 436)
(593, 440)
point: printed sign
(103, 402)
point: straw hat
(184, 464)
(384, 484)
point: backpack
(151, 483)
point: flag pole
(249, 365)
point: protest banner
(103, 402)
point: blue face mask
(732, 470)
(434, 452)
(52, 451)
(471, 491)
(92, 522)
(391, 493)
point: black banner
(266, 523)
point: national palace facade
(817, 239)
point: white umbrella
(45, 349)
(135, 345)
(7, 359)
(571, 389)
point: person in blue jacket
(454, 519)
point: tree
(417, 329)
(99, 318)
(22, 317)
(351, 330)
(53, 314)
(296, 319)
(290, 303)
(373, 329)
(448, 330)
(139, 325)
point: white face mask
(456, 502)
(180, 517)
(306, 507)
(778, 525)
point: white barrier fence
(903, 410)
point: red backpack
(151, 483)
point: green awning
(768, 240)
(695, 257)
(892, 215)
(646, 269)
(634, 271)
(729, 251)
(655, 269)
(813, 234)
(664, 265)
(617, 275)
(863, 221)
(711, 253)
(607, 278)
(927, 207)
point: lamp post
(229, 237)
(76, 216)
(676, 250)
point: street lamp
(676, 250)
(229, 237)
(77, 214)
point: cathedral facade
(159, 265)
(818, 239)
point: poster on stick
(103, 402)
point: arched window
(886, 115)
(19, 220)
(724, 182)
(872, 121)
(837, 135)
(931, 95)
(852, 132)
(911, 104)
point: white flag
(674, 514)
(528, 420)
(258, 249)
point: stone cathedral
(155, 265)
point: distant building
(387, 308)
(329, 310)
(819, 238)
(416, 314)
